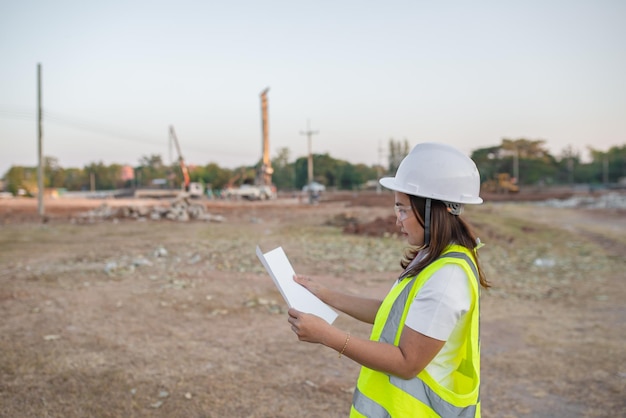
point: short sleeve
(440, 303)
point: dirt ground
(139, 318)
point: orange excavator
(194, 189)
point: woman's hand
(312, 286)
(363, 309)
(308, 327)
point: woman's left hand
(308, 327)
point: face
(407, 220)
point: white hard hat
(437, 171)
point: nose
(398, 221)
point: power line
(17, 114)
(99, 129)
(63, 120)
(91, 127)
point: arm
(406, 360)
(363, 309)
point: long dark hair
(445, 229)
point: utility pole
(380, 166)
(39, 146)
(309, 133)
(516, 165)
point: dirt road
(127, 318)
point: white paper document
(296, 296)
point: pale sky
(117, 74)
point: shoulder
(446, 277)
(448, 286)
(441, 302)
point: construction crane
(194, 189)
(265, 172)
(262, 188)
(181, 161)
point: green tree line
(529, 160)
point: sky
(117, 74)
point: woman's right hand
(312, 285)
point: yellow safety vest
(382, 395)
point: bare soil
(138, 318)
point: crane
(262, 187)
(264, 177)
(181, 161)
(194, 189)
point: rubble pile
(180, 210)
(379, 227)
(611, 200)
(351, 224)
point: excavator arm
(181, 161)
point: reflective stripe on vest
(419, 390)
(415, 386)
(368, 407)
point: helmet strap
(427, 223)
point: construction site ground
(111, 315)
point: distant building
(128, 173)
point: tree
(214, 175)
(519, 152)
(334, 173)
(105, 177)
(363, 173)
(397, 151)
(324, 170)
(608, 166)
(528, 160)
(525, 148)
(487, 161)
(75, 179)
(21, 178)
(284, 173)
(569, 160)
(54, 174)
(150, 168)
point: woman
(423, 356)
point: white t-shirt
(438, 311)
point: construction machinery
(262, 188)
(247, 190)
(264, 177)
(250, 192)
(194, 189)
(501, 183)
